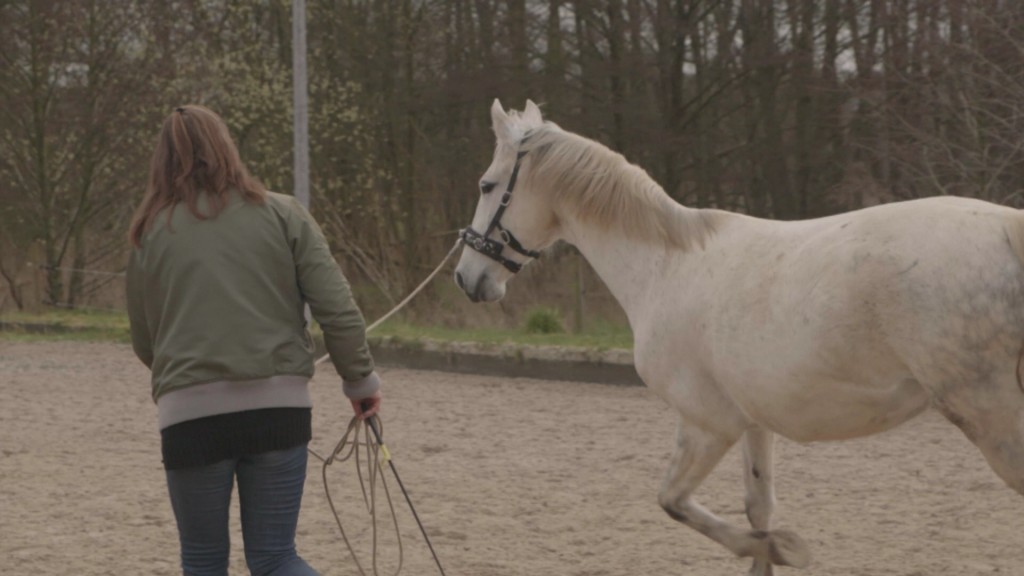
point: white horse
(821, 329)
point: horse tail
(1020, 356)
(1015, 236)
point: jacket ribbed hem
(226, 396)
(209, 440)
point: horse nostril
(460, 281)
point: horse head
(511, 223)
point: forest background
(782, 109)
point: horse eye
(486, 187)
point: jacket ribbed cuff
(362, 388)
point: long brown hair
(194, 154)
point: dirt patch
(511, 477)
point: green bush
(543, 321)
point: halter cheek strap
(492, 248)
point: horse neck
(631, 268)
(642, 241)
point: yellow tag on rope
(385, 453)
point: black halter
(491, 248)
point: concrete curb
(613, 366)
(510, 360)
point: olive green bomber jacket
(222, 298)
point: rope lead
(377, 454)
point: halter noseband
(491, 248)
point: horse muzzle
(482, 289)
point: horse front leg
(696, 454)
(758, 476)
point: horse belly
(835, 410)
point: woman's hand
(367, 406)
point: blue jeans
(270, 494)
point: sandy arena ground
(511, 477)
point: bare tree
(75, 82)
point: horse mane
(602, 188)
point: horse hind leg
(759, 479)
(997, 429)
(696, 454)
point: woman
(218, 278)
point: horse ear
(532, 113)
(500, 121)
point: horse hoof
(788, 549)
(762, 568)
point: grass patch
(15, 335)
(56, 325)
(602, 336)
(113, 327)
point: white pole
(301, 113)
(301, 104)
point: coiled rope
(376, 455)
(348, 448)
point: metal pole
(301, 101)
(300, 116)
